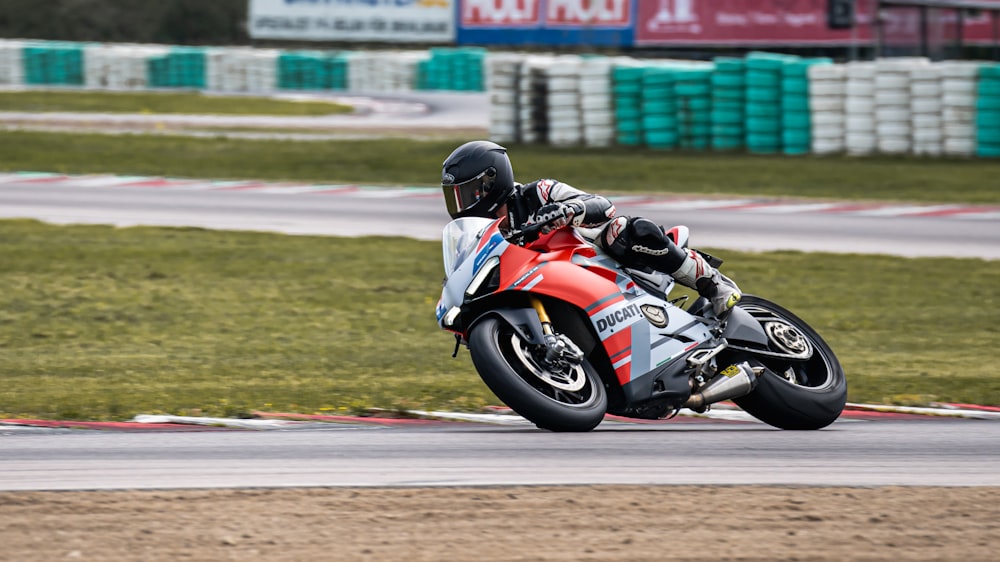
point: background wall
(184, 22)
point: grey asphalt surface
(848, 453)
(395, 213)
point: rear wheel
(804, 386)
(558, 398)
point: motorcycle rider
(478, 181)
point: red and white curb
(495, 416)
(664, 203)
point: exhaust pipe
(732, 382)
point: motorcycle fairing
(618, 309)
(563, 266)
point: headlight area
(486, 280)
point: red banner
(598, 13)
(476, 13)
(785, 22)
(557, 13)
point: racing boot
(697, 274)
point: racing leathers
(633, 241)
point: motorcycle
(563, 335)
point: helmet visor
(461, 196)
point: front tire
(793, 394)
(574, 400)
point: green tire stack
(627, 93)
(694, 107)
(658, 108)
(764, 106)
(182, 67)
(53, 63)
(796, 133)
(312, 70)
(452, 69)
(988, 112)
(728, 103)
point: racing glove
(557, 215)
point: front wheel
(804, 386)
(567, 398)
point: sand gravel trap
(509, 523)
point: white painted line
(944, 412)
(103, 181)
(498, 419)
(223, 422)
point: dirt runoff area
(571, 523)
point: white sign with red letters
(409, 21)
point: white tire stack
(827, 89)
(11, 63)
(596, 102)
(533, 101)
(563, 101)
(926, 109)
(503, 78)
(893, 121)
(359, 71)
(242, 70)
(859, 105)
(383, 71)
(119, 67)
(958, 96)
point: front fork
(559, 349)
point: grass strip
(402, 161)
(193, 103)
(104, 323)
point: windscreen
(459, 240)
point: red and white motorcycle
(563, 334)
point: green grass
(402, 161)
(105, 323)
(165, 102)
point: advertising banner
(546, 22)
(399, 21)
(778, 22)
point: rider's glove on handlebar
(557, 215)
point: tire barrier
(237, 69)
(310, 70)
(988, 112)
(827, 108)
(728, 114)
(764, 103)
(958, 98)
(925, 110)
(451, 69)
(55, 63)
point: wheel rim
(570, 386)
(788, 339)
(808, 362)
(571, 378)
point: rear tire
(808, 394)
(507, 365)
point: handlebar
(527, 233)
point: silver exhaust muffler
(732, 382)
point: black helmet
(477, 179)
